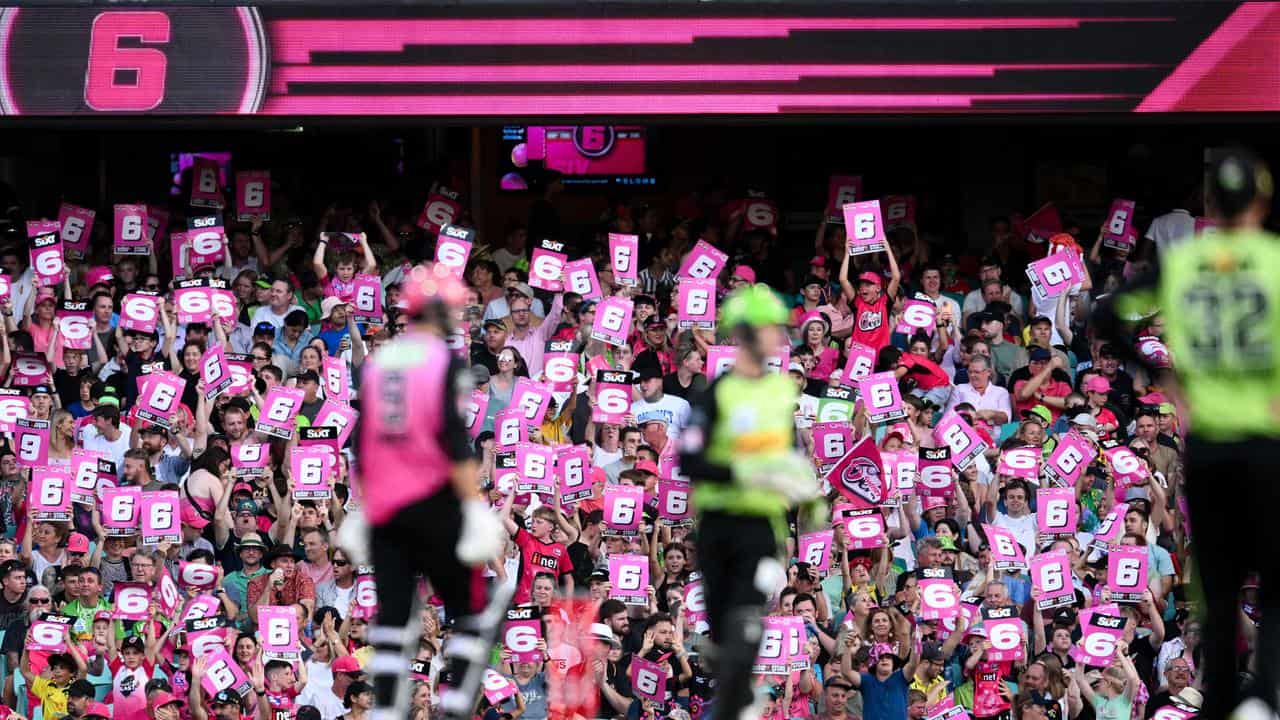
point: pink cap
(818, 260)
(1154, 398)
(746, 273)
(870, 277)
(45, 293)
(97, 709)
(191, 517)
(647, 466)
(77, 543)
(881, 649)
(901, 430)
(1097, 384)
(930, 502)
(98, 274)
(598, 475)
(163, 698)
(814, 316)
(346, 663)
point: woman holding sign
(739, 448)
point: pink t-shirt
(128, 689)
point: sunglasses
(340, 563)
(151, 286)
(40, 601)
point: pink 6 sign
(580, 277)
(1053, 275)
(831, 441)
(815, 549)
(571, 463)
(442, 208)
(918, 315)
(76, 225)
(624, 254)
(1068, 460)
(612, 396)
(843, 190)
(132, 601)
(937, 476)
(939, 598)
(959, 436)
(629, 575)
(696, 304)
(1006, 551)
(159, 397)
(1098, 639)
(703, 262)
(613, 320)
(120, 510)
(1005, 634)
(521, 634)
(623, 509)
(47, 262)
(719, 359)
(546, 265)
(193, 301)
(130, 230)
(532, 398)
(50, 495)
(536, 464)
(278, 632)
(865, 528)
(453, 248)
(280, 409)
(1056, 511)
(366, 298)
(1051, 583)
(496, 687)
(899, 211)
(312, 474)
(760, 214)
(560, 366)
(673, 503)
(862, 360)
(222, 673)
(139, 311)
(1117, 231)
(1020, 462)
(864, 227)
(1126, 468)
(649, 680)
(160, 515)
(253, 195)
(1127, 573)
(46, 636)
(881, 397)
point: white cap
(1085, 420)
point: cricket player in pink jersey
(422, 502)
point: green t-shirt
(1221, 297)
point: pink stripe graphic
(285, 74)
(293, 41)
(1204, 59)
(542, 105)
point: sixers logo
(862, 477)
(870, 320)
(84, 60)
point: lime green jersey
(1221, 300)
(750, 418)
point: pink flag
(859, 475)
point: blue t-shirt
(1162, 565)
(884, 700)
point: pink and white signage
(536, 465)
(865, 528)
(29, 369)
(47, 262)
(312, 472)
(1110, 528)
(510, 428)
(47, 636)
(1098, 639)
(861, 361)
(453, 248)
(623, 509)
(1126, 468)
(253, 195)
(560, 366)
(881, 397)
(918, 315)
(939, 596)
(629, 576)
(1068, 460)
(121, 507)
(864, 227)
(696, 304)
(193, 301)
(521, 634)
(139, 311)
(206, 242)
(1020, 462)
(781, 644)
(842, 190)
(815, 549)
(572, 464)
(1051, 580)
(612, 396)
(937, 475)
(161, 517)
(496, 687)
(831, 441)
(580, 277)
(278, 633)
(159, 398)
(1127, 573)
(1006, 552)
(1055, 274)
(130, 230)
(957, 434)
(624, 258)
(50, 495)
(206, 183)
(674, 506)
(132, 601)
(703, 262)
(1117, 228)
(900, 468)
(546, 266)
(75, 324)
(613, 320)
(533, 398)
(76, 229)
(442, 208)
(31, 442)
(720, 359)
(649, 680)
(1056, 512)
(222, 673)
(899, 211)
(1006, 633)
(280, 411)
(366, 297)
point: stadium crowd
(1004, 535)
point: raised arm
(370, 262)
(845, 286)
(317, 258)
(895, 275)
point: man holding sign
(421, 490)
(746, 475)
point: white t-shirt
(266, 314)
(1023, 529)
(115, 449)
(1170, 229)
(674, 410)
(600, 458)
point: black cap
(226, 697)
(133, 641)
(599, 576)
(1065, 616)
(41, 389)
(306, 375)
(81, 688)
(646, 366)
(644, 300)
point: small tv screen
(584, 155)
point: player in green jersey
(739, 450)
(1220, 297)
